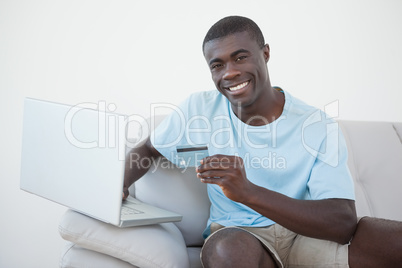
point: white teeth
(242, 85)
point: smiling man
(239, 70)
(297, 214)
(309, 197)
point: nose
(230, 72)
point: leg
(376, 243)
(312, 252)
(232, 247)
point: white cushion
(194, 257)
(159, 245)
(179, 191)
(77, 257)
(375, 157)
(398, 129)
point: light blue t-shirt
(302, 154)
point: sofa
(375, 162)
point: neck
(266, 109)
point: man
(280, 190)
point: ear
(266, 52)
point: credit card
(191, 155)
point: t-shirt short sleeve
(171, 131)
(330, 176)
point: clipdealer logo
(112, 131)
(330, 151)
(111, 127)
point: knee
(230, 248)
(378, 242)
(220, 246)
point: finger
(215, 166)
(212, 174)
(218, 158)
(211, 180)
(216, 162)
(125, 194)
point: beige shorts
(292, 250)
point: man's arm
(138, 162)
(329, 219)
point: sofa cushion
(73, 256)
(375, 157)
(194, 257)
(398, 129)
(159, 245)
(179, 191)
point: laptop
(74, 156)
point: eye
(216, 66)
(240, 58)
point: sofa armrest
(159, 245)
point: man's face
(238, 67)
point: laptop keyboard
(129, 211)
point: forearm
(138, 162)
(329, 219)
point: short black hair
(234, 24)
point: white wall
(134, 53)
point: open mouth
(238, 87)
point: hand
(125, 193)
(228, 173)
